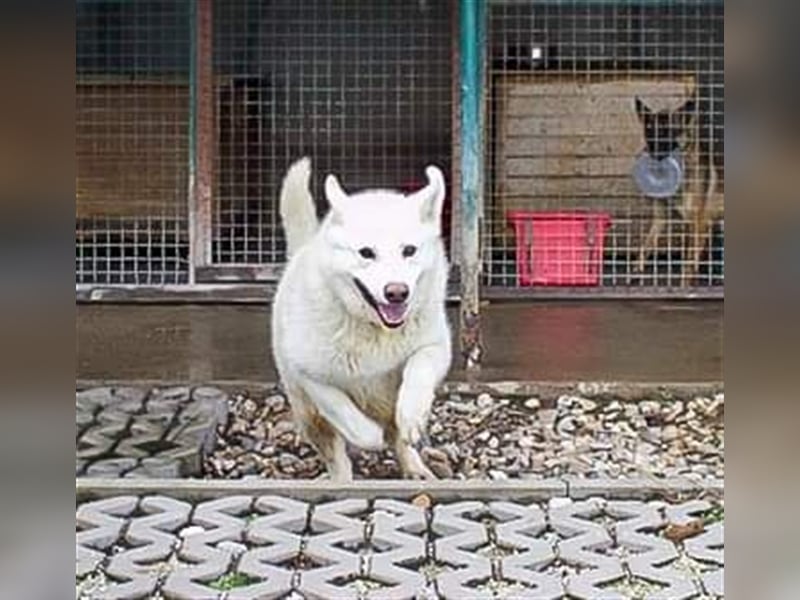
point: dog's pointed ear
(335, 194)
(641, 108)
(431, 198)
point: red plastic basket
(559, 248)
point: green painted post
(472, 35)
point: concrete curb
(547, 391)
(443, 490)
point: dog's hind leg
(332, 447)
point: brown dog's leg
(702, 236)
(651, 240)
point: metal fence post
(472, 18)
(201, 132)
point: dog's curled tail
(298, 213)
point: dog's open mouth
(391, 315)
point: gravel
(490, 437)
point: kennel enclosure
(189, 112)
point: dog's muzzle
(391, 314)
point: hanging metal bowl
(658, 178)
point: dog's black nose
(396, 293)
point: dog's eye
(367, 253)
(409, 251)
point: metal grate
(364, 88)
(565, 134)
(132, 115)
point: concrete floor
(640, 341)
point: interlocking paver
(520, 528)
(100, 524)
(337, 533)
(461, 535)
(651, 554)
(398, 536)
(170, 424)
(151, 539)
(208, 561)
(110, 467)
(583, 547)
(708, 548)
(278, 535)
(391, 549)
(154, 467)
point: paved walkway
(396, 545)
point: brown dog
(700, 201)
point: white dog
(359, 330)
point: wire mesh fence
(364, 88)
(587, 185)
(604, 167)
(132, 110)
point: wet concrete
(642, 341)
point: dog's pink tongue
(393, 313)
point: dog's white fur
(348, 376)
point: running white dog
(359, 330)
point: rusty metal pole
(201, 136)
(472, 35)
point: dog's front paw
(411, 426)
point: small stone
(533, 404)
(274, 403)
(460, 407)
(568, 425)
(670, 433)
(671, 413)
(494, 443)
(484, 400)
(547, 417)
(249, 409)
(497, 475)
(564, 403)
(436, 428)
(649, 408)
(483, 436)
(288, 461)
(587, 405)
(281, 428)
(191, 530)
(422, 501)
(677, 532)
(526, 442)
(452, 451)
(601, 447)
(438, 462)
(259, 431)
(651, 435)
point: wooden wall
(566, 141)
(131, 148)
